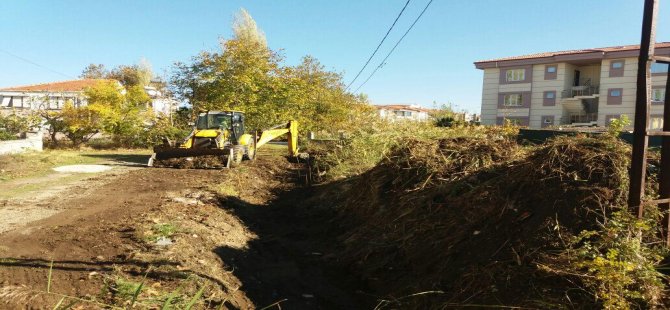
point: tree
(123, 112)
(445, 116)
(94, 71)
(134, 75)
(245, 29)
(14, 124)
(79, 124)
(248, 76)
(139, 74)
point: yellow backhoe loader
(218, 140)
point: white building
(403, 112)
(579, 87)
(52, 96)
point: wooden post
(640, 138)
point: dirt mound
(466, 221)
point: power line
(36, 64)
(378, 46)
(396, 45)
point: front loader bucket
(191, 158)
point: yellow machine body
(221, 134)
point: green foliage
(79, 124)
(162, 128)
(619, 260)
(126, 289)
(139, 74)
(13, 124)
(617, 125)
(123, 113)
(448, 121)
(182, 117)
(164, 230)
(248, 76)
(366, 145)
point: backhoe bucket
(191, 158)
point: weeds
(618, 260)
(161, 231)
(369, 145)
(479, 210)
(127, 289)
(227, 190)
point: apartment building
(586, 87)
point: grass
(164, 230)
(127, 289)
(36, 164)
(227, 190)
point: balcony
(583, 119)
(584, 91)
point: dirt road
(242, 235)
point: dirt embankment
(476, 222)
(242, 236)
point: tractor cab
(225, 126)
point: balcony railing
(582, 118)
(580, 91)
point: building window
(658, 94)
(516, 75)
(656, 122)
(615, 96)
(513, 100)
(659, 68)
(550, 72)
(549, 98)
(616, 68)
(547, 121)
(402, 113)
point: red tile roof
(576, 52)
(69, 86)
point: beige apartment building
(586, 87)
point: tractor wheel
(238, 154)
(250, 153)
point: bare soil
(242, 234)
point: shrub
(617, 260)
(14, 124)
(161, 129)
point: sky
(48, 40)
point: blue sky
(433, 63)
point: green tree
(248, 76)
(124, 112)
(79, 124)
(14, 124)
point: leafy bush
(14, 124)
(617, 125)
(617, 262)
(161, 129)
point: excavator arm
(290, 128)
